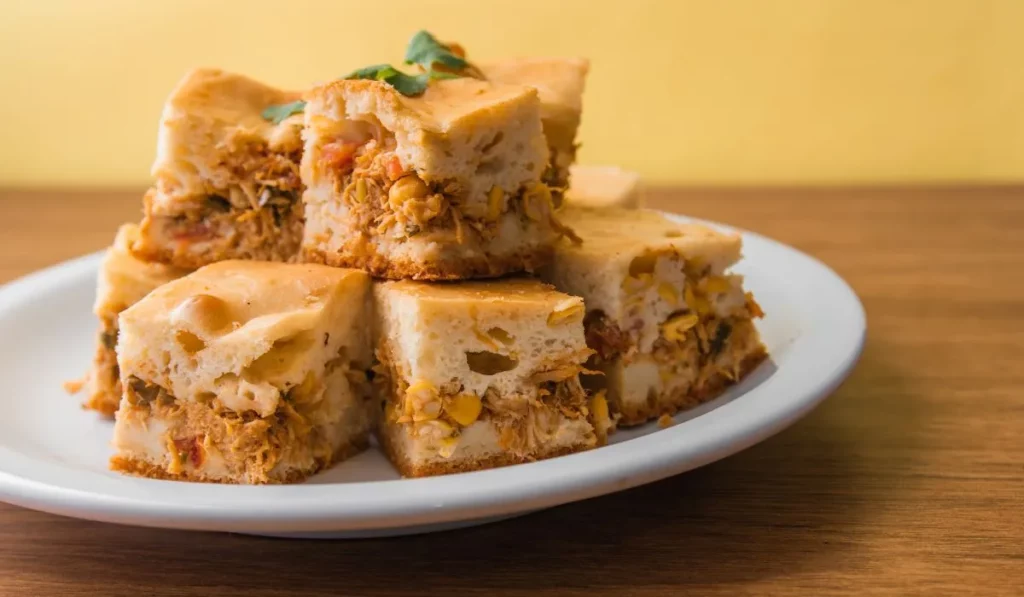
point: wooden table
(908, 481)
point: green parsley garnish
(279, 112)
(426, 51)
(408, 85)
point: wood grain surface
(908, 481)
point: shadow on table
(785, 507)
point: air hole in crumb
(673, 234)
(490, 166)
(486, 362)
(493, 142)
(189, 342)
(501, 336)
(642, 264)
(281, 356)
(205, 397)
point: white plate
(53, 455)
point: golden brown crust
(463, 269)
(141, 468)
(687, 398)
(408, 469)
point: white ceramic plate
(53, 455)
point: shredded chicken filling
(258, 443)
(556, 175)
(694, 347)
(267, 200)
(558, 390)
(384, 196)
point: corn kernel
(695, 302)
(495, 203)
(717, 284)
(437, 429)
(406, 188)
(360, 191)
(567, 311)
(668, 293)
(537, 202)
(448, 446)
(598, 407)
(689, 297)
(421, 388)
(464, 409)
(421, 401)
(428, 411)
(675, 328)
(703, 306)
(694, 266)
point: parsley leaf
(277, 113)
(408, 85)
(426, 51)
(439, 74)
(377, 72)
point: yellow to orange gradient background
(691, 91)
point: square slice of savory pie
(123, 280)
(227, 174)
(559, 83)
(245, 372)
(477, 375)
(442, 186)
(671, 327)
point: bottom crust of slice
(407, 468)
(461, 269)
(685, 398)
(142, 468)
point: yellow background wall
(694, 91)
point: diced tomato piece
(394, 168)
(338, 155)
(191, 449)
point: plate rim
(435, 500)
